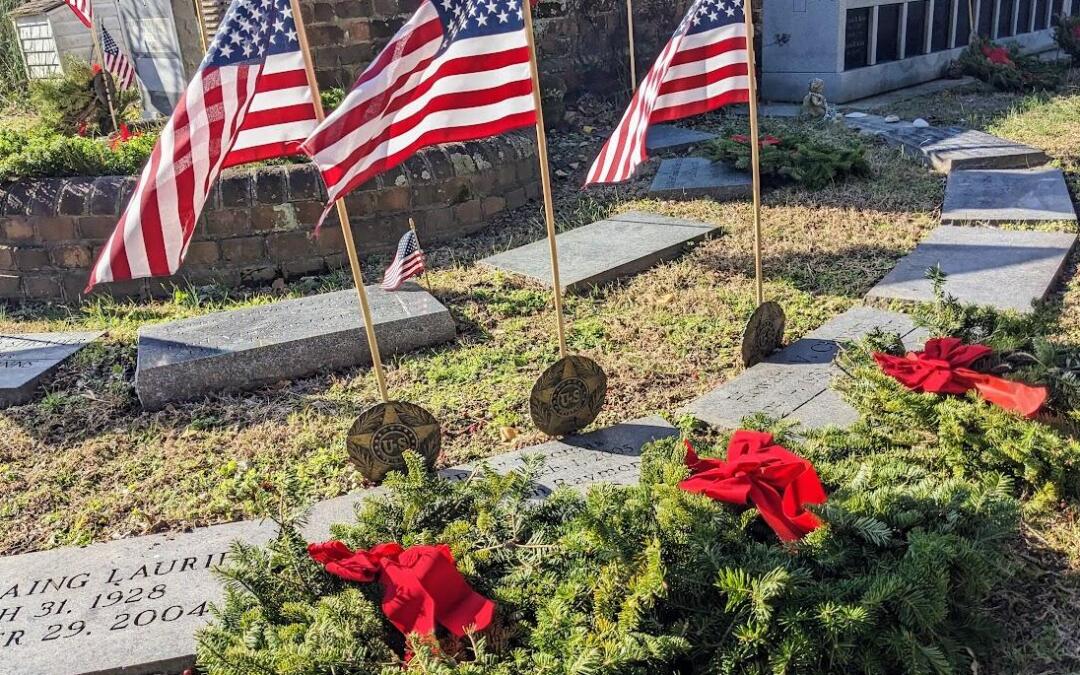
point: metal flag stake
(385, 431)
(569, 395)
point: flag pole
(342, 211)
(202, 24)
(755, 147)
(545, 176)
(412, 226)
(99, 55)
(630, 34)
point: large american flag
(408, 263)
(702, 68)
(116, 62)
(83, 10)
(249, 100)
(457, 70)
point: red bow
(777, 481)
(767, 139)
(941, 368)
(998, 55)
(421, 585)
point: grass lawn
(85, 463)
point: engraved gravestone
(789, 384)
(888, 33)
(997, 196)
(692, 177)
(857, 38)
(670, 138)
(134, 605)
(27, 359)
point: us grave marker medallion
(382, 434)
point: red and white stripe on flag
(83, 10)
(116, 62)
(703, 67)
(457, 70)
(249, 101)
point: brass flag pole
(765, 330)
(383, 432)
(630, 35)
(569, 394)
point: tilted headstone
(794, 382)
(692, 177)
(134, 605)
(1005, 269)
(615, 247)
(257, 346)
(670, 138)
(997, 196)
(28, 359)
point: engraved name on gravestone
(691, 177)
(857, 38)
(27, 359)
(134, 605)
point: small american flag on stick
(457, 70)
(702, 68)
(83, 10)
(408, 263)
(116, 62)
(250, 100)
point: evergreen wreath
(1067, 36)
(1007, 69)
(805, 159)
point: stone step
(134, 605)
(257, 346)
(1005, 269)
(670, 138)
(27, 360)
(999, 196)
(693, 177)
(793, 383)
(949, 148)
(618, 246)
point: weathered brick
(532, 190)
(322, 11)
(434, 220)
(74, 196)
(55, 228)
(308, 213)
(351, 9)
(439, 163)
(330, 239)
(242, 249)
(18, 229)
(417, 170)
(355, 54)
(105, 197)
(31, 258)
(15, 198)
(305, 184)
(7, 258)
(41, 287)
(493, 205)
(43, 196)
(359, 31)
(260, 273)
(516, 198)
(236, 189)
(96, 227)
(385, 7)
(283, 246)
(127, 188)
(270, 185)
(9, 286)
(202, 253)
(393, 199)
(326, 33)
(70, 257)
(303, 266)
(469, 212)
(227, 223)
(266, 218)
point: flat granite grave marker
(794, 382)
(670, 138)
(27, 359)
(995, 196)
(133, 605)
(1005, 269)
(950, 148)
(256, 346)
(692, 177)
(624, 244)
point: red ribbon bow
(767, 139)
(777, 481)
(998, 55)
(942, 368)
(421, 585)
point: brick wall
(257, 223)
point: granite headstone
(997, 196)
(28, 359)
(692, 177)
(623, 244)
(256, 346)
(670, 138)
(133, 605)
(1006, 269)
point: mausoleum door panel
(915, 28)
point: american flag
(702, 68)
(457, 70)
(408, 263)
(116, 62)
(249, 100)
(83, 10)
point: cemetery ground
(84, 463)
